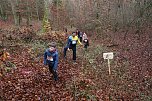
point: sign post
(108, 56)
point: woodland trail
(31, 80)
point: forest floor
(23, 77)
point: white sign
(108, 55)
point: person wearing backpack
(71, 44)
(51, 59)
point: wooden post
(108, 56)
(109, 66)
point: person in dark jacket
(81, 35)
(51, 59)
(78, 33)
(71, 44)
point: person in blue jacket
(71, 44)
(51, 59)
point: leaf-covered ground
(25, 78)
(31, 80)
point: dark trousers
(80, 39)
(55, 75)
(86, 44)
(73, 49)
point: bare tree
(14, 11)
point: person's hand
(45, 63)
(81, 44)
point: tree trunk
(57, 15)
(14, 12)
(28, 14)
(1, 11)
(37, 10)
